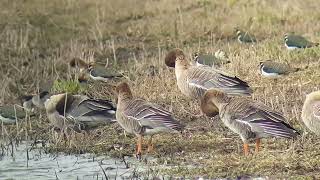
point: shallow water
(24, 161)
(60, 166)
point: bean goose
(249, 119)
(193, 81)
(311, 112)
(78, 112)
(140, 117)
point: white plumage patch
(270, 75)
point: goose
(139, 117)
(311, 112)
(249, 119)
(78, 112)
(193, 80)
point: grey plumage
(244, 36)
(138, 116)
(101, 73)
(39, 99)
(193, 81)
(293, 41)
(27, 102)
(9, 114)
(211, 60)
(79, 112)
(249, 119)
(275, 69)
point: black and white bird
(292, 41)
(272, 69)
(219, 58)
(244, 36)
(10, 114)
(100, 73)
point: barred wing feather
(206, 78)
(150, 115)
(262, 119)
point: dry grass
(37, 38)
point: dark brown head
(123, 90)
(210, 102)
(171, 57)
(78, 63)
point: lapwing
(9, 114)
(272, 69)
(100, 73)
(293, 41)
(245, 37)
(217, 60)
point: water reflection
(16, 163)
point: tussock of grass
(68, 86)
(38, 38)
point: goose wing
(151, 116)
(206, 78)
(93, 110)
(261, 119)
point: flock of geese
(217, 93)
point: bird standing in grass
(193, 81)
(217, 60)
(78, 112)
(311, 112)
(9, 114)
(96, 72)
(271, 69)
(140, 117)
(100, 73)
(293, 41)
(245, 37)
(27, 103)
(250, 119)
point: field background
(39, 37)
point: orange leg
(257, 145)
(150, 145)
(139, 146)
(246, 149)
